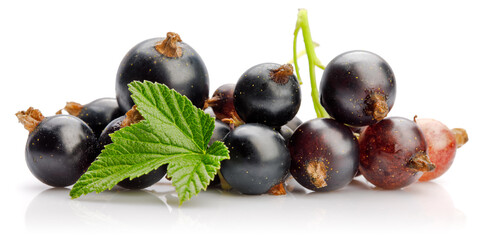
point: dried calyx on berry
(169, 61)
(59, 148)
(97, 114)
(267, 93)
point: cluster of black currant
(256, 119)
(351, 136)
(60, 148)
(323, 154)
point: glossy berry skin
(219, 132)
(222, 101)
(390, 151)
(325, 155)
(186, 74)
(358, 88)
(442, 146)
(210, 112)
(259, 98)
(100, 112)
(60, 149)
(141, 182)
(104, 139)
(258, 160)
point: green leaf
(174, 132)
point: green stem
(295, 62)
(303, 52)
(319, 64)
(303, 24)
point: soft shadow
(419, 208)
(119, 208)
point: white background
(58, 51)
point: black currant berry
(219, 132)
(325, 155)
(222, 102)
(147, 180)
(210, 112)
(169, 61)
(267, 93)
(393, 153)
(113, 126)
(358, 88)
(59, 149)
(258, 160)
(97, 114)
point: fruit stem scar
(169, 46)
(377, 106)
(282, 74)
(131, 117)
(317, 172)
(461, 136)
(30, 118)
(212, 102)
(278, 189)
(420, 162)
(234, 121)
(73, 108)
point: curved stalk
(303, 52)
(303, 24)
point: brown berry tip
(131, 117)
(460, 136)
(30, 118)
(169, 47)
(421, 162)
(377, 106)
(73, 108)
(282, 74)
(278, 189)
(317, 171)
(234, 121)
(212, 102)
